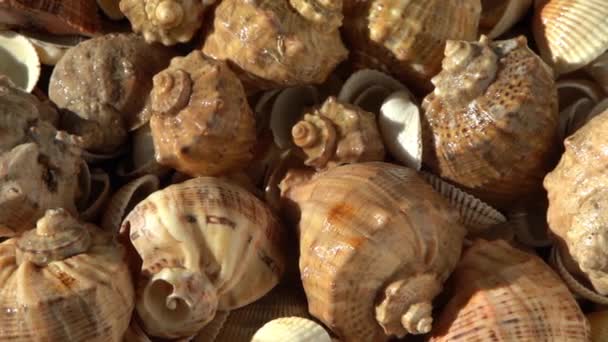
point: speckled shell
(504, 294)
(491, 124)
(570, 33)
(407, 38)
(202, 124)
(272, 45)
(577, 202)
(64, 281)
(215, 243)
(376, 244)
(325, 15)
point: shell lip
(19, 60)
(576, 286)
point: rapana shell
(19, 60)
(206, 245)
(272, 45)
(64, 281)
(507, 295)
(376, 244)
(202, 124)
(498, 16)
(324, 15)
(491, 123)
(296, 329)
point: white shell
(293, 329)
(111, 9)
(513, 12)
(289, 106)
(573, 284)
(360, 81)
(401, 130)
(19, 60)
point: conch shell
(376, 244)
(64, 281)
(202, 124)
(206, 245)
(491, 124)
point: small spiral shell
(171, 92)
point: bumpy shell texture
(491, 124)
(324, 14)
(206, 245)
(504, 294)
(202, 125)
(64, 281)
(577, 202)
(376, 244)
(271, 44)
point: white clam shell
(294, 329)
(573, 284)
(514, 10)
(19, 60)
(289, 106)
(357, 85)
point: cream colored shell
(19, 60)
(296, 329)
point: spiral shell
(296, 329)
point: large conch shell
(206, 245)
(491, 124)
(19, 60)
(202, 124)
(504, 294)
(64, 281)
(376, 244)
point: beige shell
(570, 34)
(598, 69)
(166, 21)
(504, 294)
(202, 124)
(338, 133)
(599, 326)
(491, 123)
(296, 329)
(206, 245)
(19, 60)
(324, 15)
(498, 16)
(376, 244)
(577, 202)
(272, 45)
(579, 287)
(407, 38)
(64, 281)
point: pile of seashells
(303, 170)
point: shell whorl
(166, 14)
(171, 92)
(317, 136)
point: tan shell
(598, 69)
(166, 21)
(504, 294)
(296, 329)
(206, 245)
(599, 326)
(491, 124)
(19, 60)
(498, 16)
(272, 45)
(408, 38)
(325, 15)
(579, 287)
(338, 133)
(376, 244)
(64, 281)
(570, 34)
(202, 124)
(577, 202)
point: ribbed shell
(570, 33)
(364, 228)
(504, 294)
(491, 124)
(407, 38)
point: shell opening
(169, 14)
(171, 92)
(175, 307)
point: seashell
(504, 294)
(50, 48)
(202, 123)
(481, 123)
(475, 215)
(18, 60)
(84, 186)
(530, 226)
(141, 161)
(166, 21)
(407, 39)
(206, 245)
(598, 69)
(570, 34)
(64, 281)
(271, 45)
(368, 89)
(575, 285)
(289, 107)
(576, 101)
(135, 333)
(325, 15)
(296, 329)
(599, 328)
(338, 133)
(105, 81)
(100, 192)
(401, 130)
(577, 200)
(369, 257)
(498, 16)
(111, 9)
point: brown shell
(504, 294)
(202, 124)
(491, 124)
(324, 15)
(272, 45)
(408, 38)
(376, 244)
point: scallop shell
(368, 89)
(296, 329)
(325, 15)
(369, 257)
(570, 34)
(498, 16)
(64, 281)
(504, 294)
(19, 60)
(575, 285)
(598, 69)
(50, 48)
(599, 325)
(206, 245)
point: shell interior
(19, 60)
